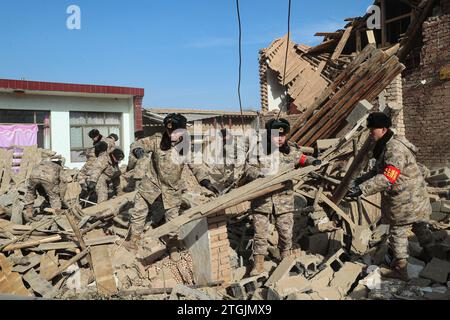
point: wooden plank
(32, 243)
(357, 93)
(400, 17)
(325, 96)
(414, 30)
(5, 264)
(72, 245)
(49, 264)
(103, 269)
(341, 45)
(329, 34)
(323, 46)
(310, 124)
(234, 197)
(12, 284)
(67, 264)
(109, 206)
(40, 285)
(30, 261)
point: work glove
(354, 192)
(139, 153)
(356, 182)
(208, 185)
(91, 186)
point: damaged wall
(427, 105)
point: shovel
(360, 235)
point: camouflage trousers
(50, 191)
(284, 225)
(102, 187)
(140, 211)
(398, 238)
(83, 173)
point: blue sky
(184, 53)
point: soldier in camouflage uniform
(45, 178)
(405, 203)
(105, 170)
(163, 179)
(276, 156)
(136, 168)
(226, 168)
(96, 137)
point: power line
(240, 62)
(286, 59)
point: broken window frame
(104, 128)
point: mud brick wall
(427, 104)
(219, 248)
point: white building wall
(275, 91)
(60, 107)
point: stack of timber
(364, 78)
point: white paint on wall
(60, 107)
(275, 91)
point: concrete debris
(182, 292)
(437, 270)
(415, 267)
(243, 289)
(286, 286)
(346, 276)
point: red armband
(302, 160)
(391, 173)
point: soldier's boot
(258, 265)
(399, 270)
(172, 247)
(133, 243)
(28, 216)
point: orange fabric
(391, 173)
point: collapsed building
(78, 252)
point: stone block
(347, 276)
(287, 286)
(437, 270)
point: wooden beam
(32, 243)
(329, 34)
(341, 45)
(407, 44)
(67, 264)
(401, 17)
(247, 192)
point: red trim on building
(25, 85)
(68, 87)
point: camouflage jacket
(226, 162)
(90, 152)
(399, 179)
(167, 165)
(132, 160)
(103, 165)
(271, 165)
(48, 171)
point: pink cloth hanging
(23, 135)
